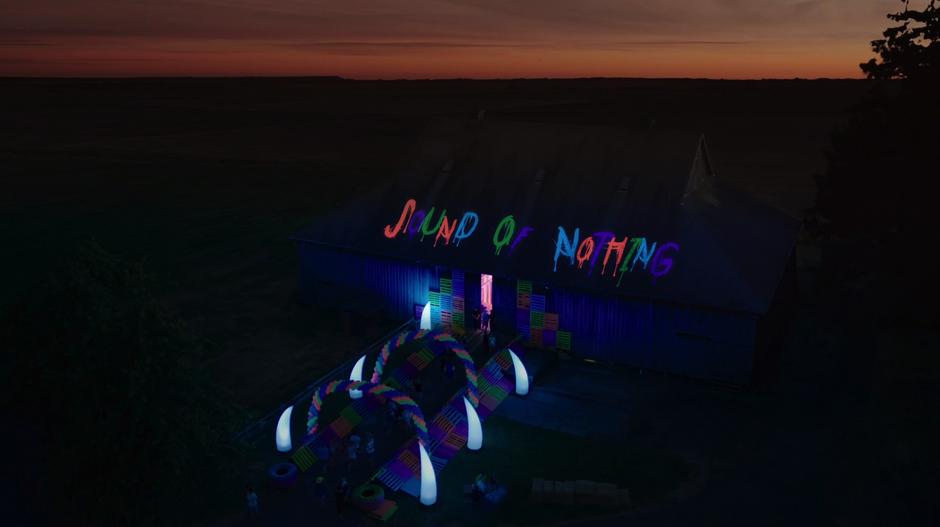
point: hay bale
(584, 491)
(538, 494)
(567, 496)
(624, 497)
(608, 496)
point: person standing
(391, 414)
(320, 489)
(352, 455)
(341, 490)
(251, 499)
(449, 368)
(370, 449)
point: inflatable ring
(283, 475)
(369, 496)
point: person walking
(370, 449)
(320, 489)
(352, 455)
(400, 417)
(391, 414)
(341, 490)
(449, 368)
(251, 499)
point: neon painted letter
(663, 264)
(468, 224)
(565, 246)
(403, 220)
(504, 232)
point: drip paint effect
(565, 246)
(525, 231)
(620, 256)
(504, 232)
(628, 254)
(466, 228)
(406, 213)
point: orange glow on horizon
(372, 39)
(118, 59)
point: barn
(613, 245)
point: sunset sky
(441, 38)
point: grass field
(518, 453)
(205, 179)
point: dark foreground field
(203, 180)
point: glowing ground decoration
(441, 342)
(620, 255)
(411, 413)
(356, 375)
(474, 428)
(522, 376)
(428, 493)
(426, 317)
(282, 434)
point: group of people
(353, 446)
(483, 484)
(483, 319)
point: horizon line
(401, 79)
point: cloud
(410, 29)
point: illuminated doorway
(486, 298)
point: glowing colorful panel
(411, 410)
(441, 342)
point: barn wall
(686, 340)
(361, 281)
(773, 327)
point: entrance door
(486, 295)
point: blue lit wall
(687, 340)
(355, 280)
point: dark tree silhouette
(120, 424)
(910, 50)
(875, 196)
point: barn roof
(730, 250)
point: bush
(128, 428)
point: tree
(127, 426)
(884, 160)
(910, 50)
(876, 194)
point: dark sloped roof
(732, 249)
